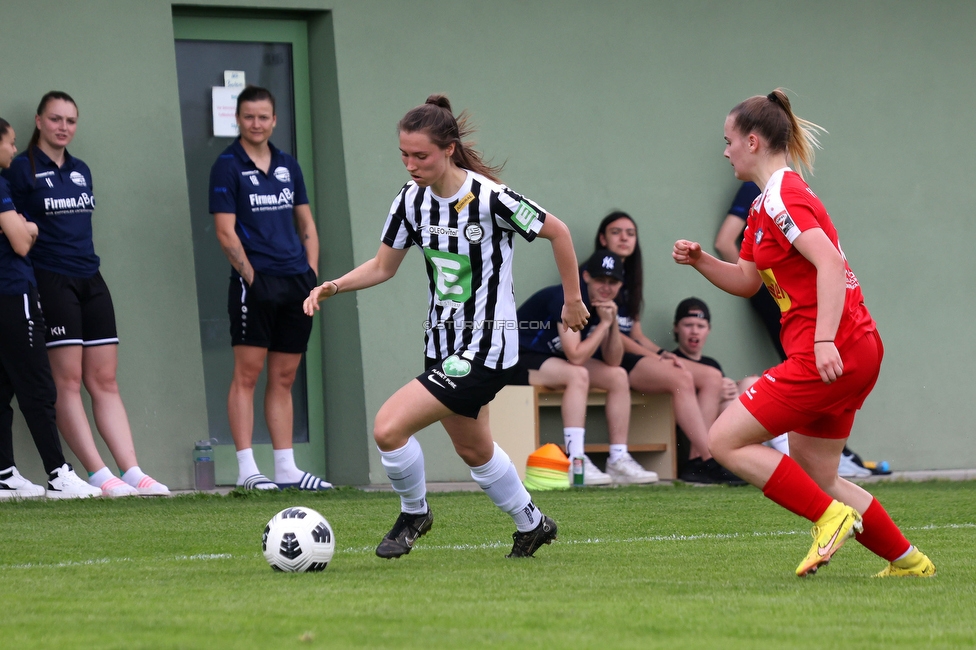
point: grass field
(642, 567)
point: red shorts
(793, 397)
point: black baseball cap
(603, 263)
(692, 307)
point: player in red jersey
(833, 349)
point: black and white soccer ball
(298, 539)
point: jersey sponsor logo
(282, 174)
(78, 179)
(442, 230)
(779, 295)
(43, 174)
(439, 374)
(83, 202)
(474, 233)
(466, 199)
(283, 199)
(852, 282)
(784, 222)
(524, 216)
(452, 275)
(455, 366)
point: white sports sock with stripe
(499, 479)
(405, 469)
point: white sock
(616, 453)
(906, 553)
(285, 469)
(245, 465)
(499, 479)
(133, 475)
(99, 477)
(405, 469)
(573, 437)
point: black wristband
(824, 341)
(659, 352)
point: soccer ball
(298, 539)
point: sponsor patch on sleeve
(524, 216)
(785, 223)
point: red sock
(792, 488)
(881, 536)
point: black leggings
(26, 372)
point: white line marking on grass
(474, 547)
(651, 538)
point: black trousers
(26, 372)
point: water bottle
(203, 466)
(578, 472)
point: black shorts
(461, 385)
(529, 360)
(77, 311)
(627, 363)
(268, 313)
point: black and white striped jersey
(467, 242)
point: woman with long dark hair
(55, 189)
(457, 211)
(832, 344)
(696, 389)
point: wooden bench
(516, 412)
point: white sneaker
(627, 470)
(116, 487)
(15, 486)
(592, 474)
(63, 483)
(849, 469)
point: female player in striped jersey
(456, 210)
(833, 348)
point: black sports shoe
(407, 530)
(695, 471)
(721, 474)
(525, 544)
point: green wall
(593, 106)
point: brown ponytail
(48, 97)
(772, 117)
(436, 119)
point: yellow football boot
(915, 565)
(829, 533)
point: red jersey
(786, 208)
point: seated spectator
(692, 325)
(695, 388)
(554, 356)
